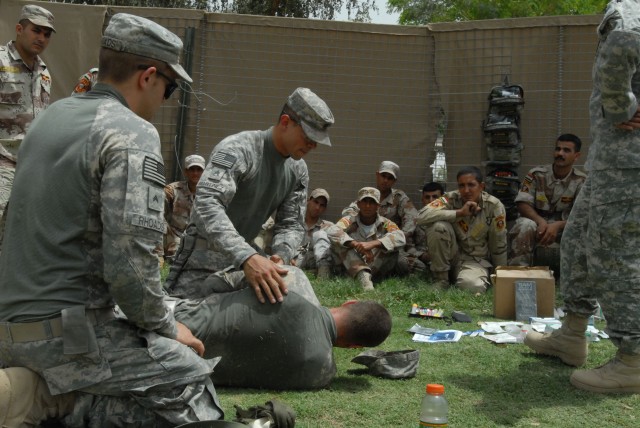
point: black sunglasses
(168, 89)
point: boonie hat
(369, 192)
(316, 193)
(390, 167)
(391, 364)
(141, 36)
(314, 114)
(37, 15)
(194, 160)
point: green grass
(487, 385)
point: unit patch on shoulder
(500, 222)
(155, 200)
(223, 159)
(153, 171)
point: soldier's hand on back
(265, 278)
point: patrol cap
(314, 114)
(140, 36)
(390, 364)
(37, 15)
(319, 192)
(194, 160)
(369, 192)
(389, 167)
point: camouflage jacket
(349, 228)
(309, 231)
(398, 208)
(552, 198)
(24, 93)
(177, 205)
(614, 155)
(483, 236)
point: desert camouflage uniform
(600, 258)
(24, 93)
(177, 209)
(349, 228)
(316, 247)
(552, 199)
(97, 192)
(398, 208)
(244, 182)
(466, 246)
(85, 82)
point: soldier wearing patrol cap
(25, 87)
(367, 243)
(249, 176)
(99, 202)
(178, 201)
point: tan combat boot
(364, 278)
(440, 280)
(25, 399)
(324, 271)
(620, 375)
(567, 343)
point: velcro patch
(147, 222)
(223, 159)
(153, 171)
(156, 199)
(216, 174)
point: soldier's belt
(18, 332)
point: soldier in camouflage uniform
(367, 243)
(430, 192)
(99, 207)
(466, 233)
(315, 250)
(178, 200)
(25, 87)
(249, 176)
(600, 258)
(396, 206)
(544, 202)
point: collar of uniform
(15, 56)
(104, 89)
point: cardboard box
(504, 295)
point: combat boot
(364, 278)
(619, 375)
(440, 280)
(567, 343)
(25, 399)
(324, 271)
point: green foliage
(487, 385)
(418, 12)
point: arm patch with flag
(153, 171)
(223, 159)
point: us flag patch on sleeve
(153, 171)
(223, 159)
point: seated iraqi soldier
(544, 202)
(430, 192)
(397, 207)
(284, 346)
(466, 233)
(367, 243)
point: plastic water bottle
(435, 408)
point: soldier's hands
(265, 278)
(276, 259)
(469, 209)
(549, 235)
(187, 338)
(631, 124)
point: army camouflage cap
(391, 364)
(37, 15)
(369, 192)
(140, 36)
(313, 113)
(389, 167)
(194, 160)
(319, 192)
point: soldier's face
(384, 182)
(299, 144)
(428, 197)
(316, 206)
(193, 175)
(32, 40)
(368, 209)
(565, 154)
(469, 187)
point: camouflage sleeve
(351, 210)
(169, 197)
(337, 233)
(527, 190)
(394, 237)
(617, 62)
(438, 210)
(215, 191)
(409, 215)
(132, 199)
(498, 236)
(289, 231)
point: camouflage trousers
(128, 377)
(408, 263)
(469, 273)
(601, 262)
(384, 262)
(317, 252)
(523, 243)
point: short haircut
(432, 187)
(120, 66)
(571, 139)
(471, 170)
(369, 323)
(24, 22)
